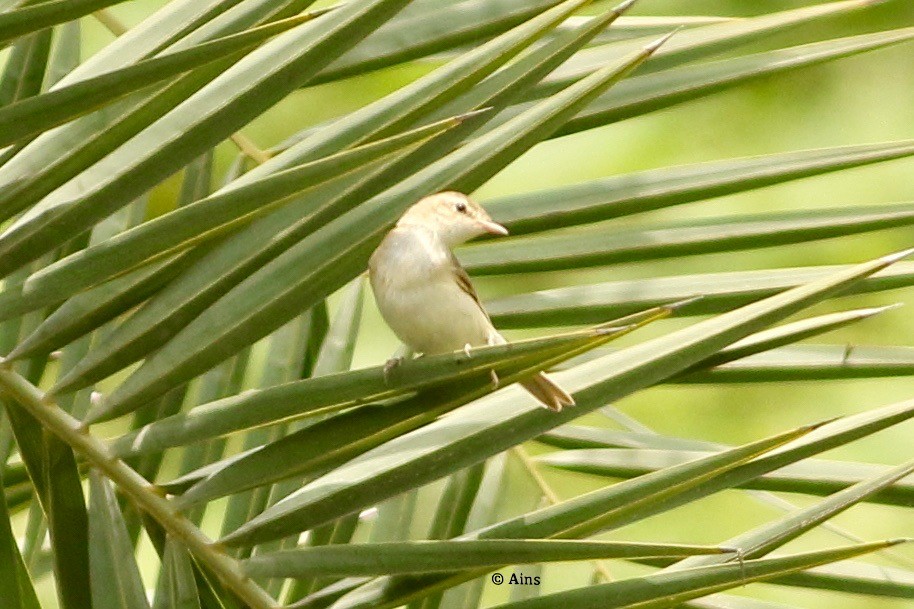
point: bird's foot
(389, 366)
(466, 349)
(495, 381)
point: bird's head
(453, 216)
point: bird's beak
(493, 228)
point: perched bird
(426, 297)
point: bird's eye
(461, 207)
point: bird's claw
(495, 381)
(389, 366)
(848, 350)
(466, 349)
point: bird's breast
(420, 300)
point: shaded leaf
(25, 69)
(116, 580)
(52, 469)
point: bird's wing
(463, 281)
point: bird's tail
(543, 389)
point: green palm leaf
(149, 268)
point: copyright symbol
(498, 579)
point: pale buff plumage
(426, 297)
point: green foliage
(213, 333)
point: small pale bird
(426, 297)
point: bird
(426, 296)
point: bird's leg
(401, 354)
(466, 349)
(494, 338)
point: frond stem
(134, 486)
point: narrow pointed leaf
(788, 334)
(766, 340)
(719, 292)
(338, 346)
(505, 86)
(52, 469)
(599, 246)
(636, 26)
(116, 580)
(817, 477)
(663, 589)
(402, 107)
(74, 149)
(25, 70)
(430, 556)
(811, 362)
(165, 29)
(836, 433)
(856, 577)
(177, 588)
(428, 93)
(658, 188)
(67, 52)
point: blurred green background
(859, 100)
